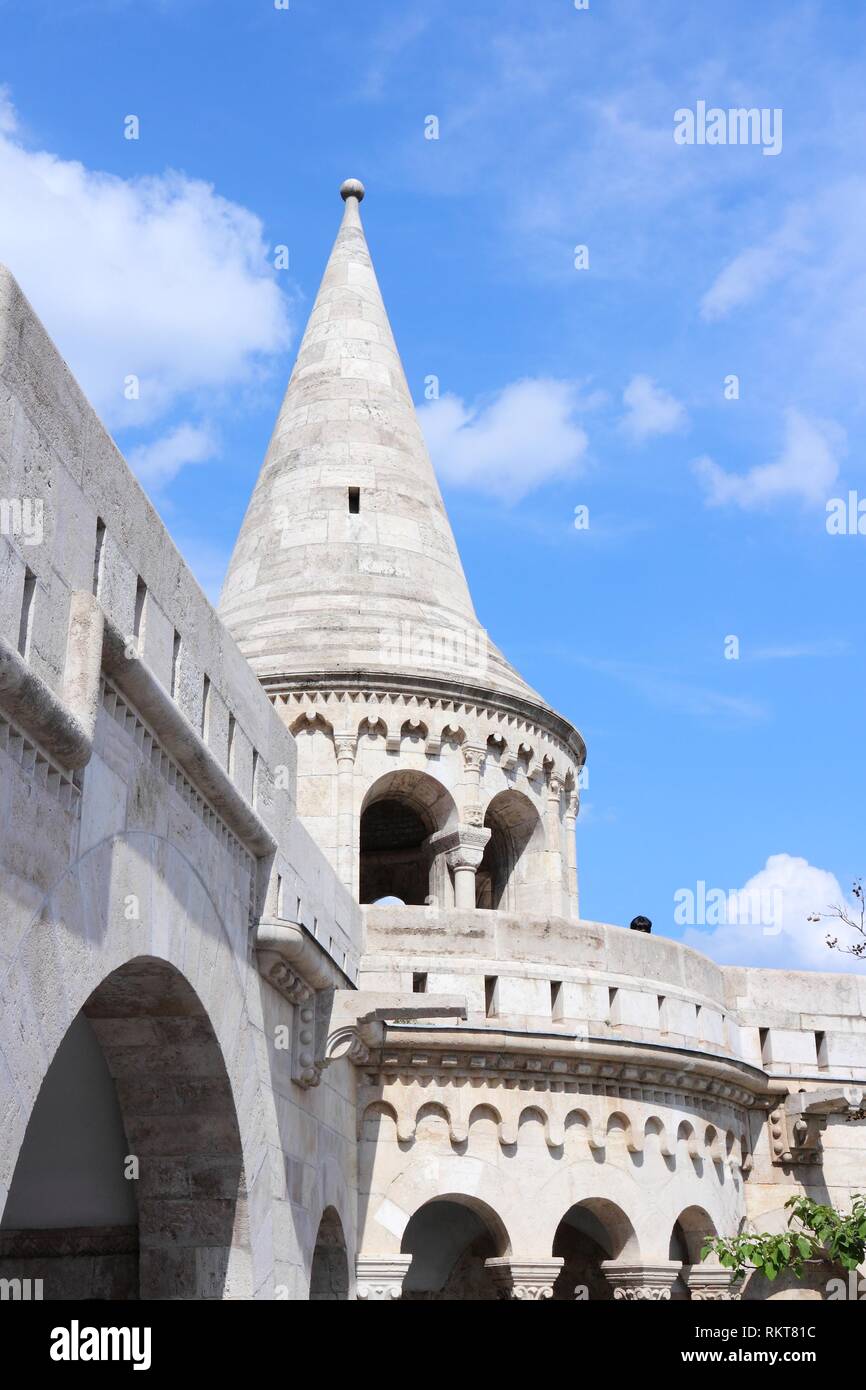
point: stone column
(473, 765)
(380, 1277)
(710, 1282)
(637, 1279)
(344, 746)
(572, 805)
(463, 849)
(553, 841)
(524, 1279)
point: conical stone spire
(346, 562)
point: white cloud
(782, 938)
(156, 464)
(813, 261)
(386, 48)
(8, 118)
(823, 650)
(752, 271)
(650, 410)
(669, 690)
(805, 471)
(157, 277)
(507, 446)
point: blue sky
(560, 387)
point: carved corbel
(800, 1118)
(794, 1136)
(331, 1022)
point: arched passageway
(401, 811)
(129, 1183)
(329, 1276)
(691, 1229)
(449, 1240)
(589, 1233)
(511, 873)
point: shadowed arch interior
(400, 812)
(511, 873)
(329, 1276)
(589, 1233)
(449, 1240)
(160, 1211)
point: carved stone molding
(524, 1279)
(473, 714)
(592, 1120)
(637, 1280)
(127, 717)
(710, 1283)
(570, 1062)
(39, 767)
(288, 982)
(380, 1278)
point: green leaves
(821, 1233)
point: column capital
(345, 746)
(474, 757)
(524, 1279)
(555, 785)
(638, 1279)
(463, 847)
(380, 1277)
(711, 1282)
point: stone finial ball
(352, 188)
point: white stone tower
(428, 769)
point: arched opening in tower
(450, 1239)
(511, 873)
(393, 860)
(129, 1183)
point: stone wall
(604, 1076)
(147, 804)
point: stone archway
(173, 1223)
(450, 1239)
(590, 1233)
(692, 1227)
(329, 1274)
(511, 873)
(400, 813)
